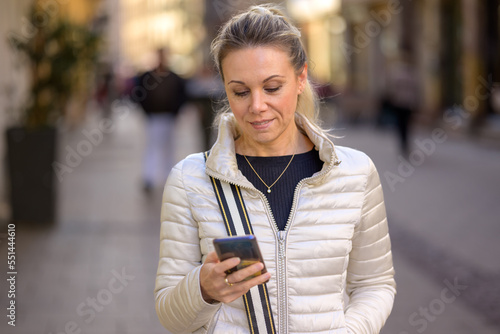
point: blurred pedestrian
(161, 93)
(105, 92)
(316, 209)
(403, 99)
(204, 91)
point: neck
(298, 144)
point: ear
(302, 79)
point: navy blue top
(269, 168)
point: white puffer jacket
(336, 238)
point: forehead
(255, 63)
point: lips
(262, 125)
(261, 122)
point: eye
(241, 94)
(273, 89)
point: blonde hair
(265, 25)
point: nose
(258, 102)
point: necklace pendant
(279, 177)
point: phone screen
(244, 247)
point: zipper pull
(281, 240)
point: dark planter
(30, 154)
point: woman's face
(262, 88)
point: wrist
(206, 297)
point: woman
(317, 210)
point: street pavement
(93, 271)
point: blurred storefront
(176, 25)
(453, 47)
(351, 45)
(322, 28)
(354, 45)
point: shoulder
(188, 169)
(192, 164)
(187, 181)
(354, 160)
(358, 170)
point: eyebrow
(264, 81)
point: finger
(261, 279)
(244, 286)
(228, 264)
(235, 291)
(246, 272)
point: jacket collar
(222, 164)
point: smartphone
(245, 247)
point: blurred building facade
(173, 24)
(452, 45)
(133, 30)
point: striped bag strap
(237, 222)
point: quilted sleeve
(370, 273)
(179, 304)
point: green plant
(60, 56)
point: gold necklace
(279, 177)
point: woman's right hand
(217, 286)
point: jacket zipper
(282, 309)
(281, 238)
(282, 235)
